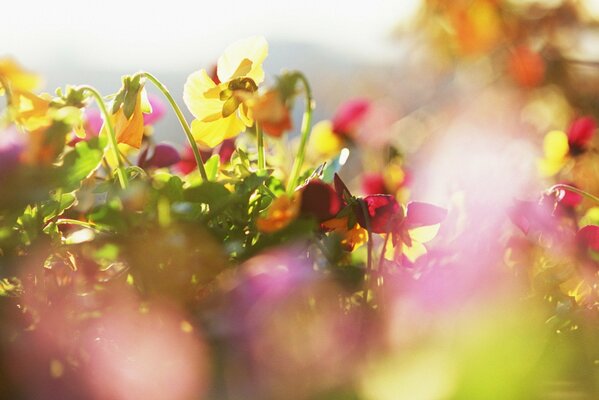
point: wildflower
(280, 214)
(18, 79)
(163, 155)
(418, 223)
(158, 110)
(272, 114)
(328, 137)
(410, 227)
(558, 146)
(127, 113)
(221, 109)
(351, 237)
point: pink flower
(158, 110)
(580, 133)
(349, 115)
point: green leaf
(56, 206)
(82, 162)
(211, 193)
(212, 166)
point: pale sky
(171, 33)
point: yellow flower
(555, 149)
(18, 79)
(30, 110)
(351, 238)
(130, 130)
(220, 109)
(323, 141)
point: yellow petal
(549, 167)
(555, 145)
(130, 131)
(324, 141)
(30, 110)
(281, 213)
(18, 78)
(211, 134)
(424, 234)
(234, 61)
(413, 252)
(200, 95)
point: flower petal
(580, 133)
(589, 236)
(424, 234)
(319, 200)
(555, 145)
(234, 61)
(423, 214)
(349, 115)
(197, 96)
(324, 141)
(211, 134)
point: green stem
(368, 275)
(561, 186)
(261, 150)
(306, 126)
(111, 134)
(182, 121)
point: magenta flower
(158, 110)
(580, 133)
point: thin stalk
(111, 134)
(305, 132)
(561, 186)
(182, 121)
(261, 150)
(368, 274)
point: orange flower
(130, 130)
(281, 213)
(270, 111)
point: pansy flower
(127, 112)
(160, 156)
(328, 137)
(271, 112)
(410, 227)
(221, 109)
(282, 211)
(13, 74)
(559, 146)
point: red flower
(319, 200)
(589, 236)
(348, 116)
(580, 133)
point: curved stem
(306, 126)
(562, 186)
(111, 134)
(182, 121)
(261, 150)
